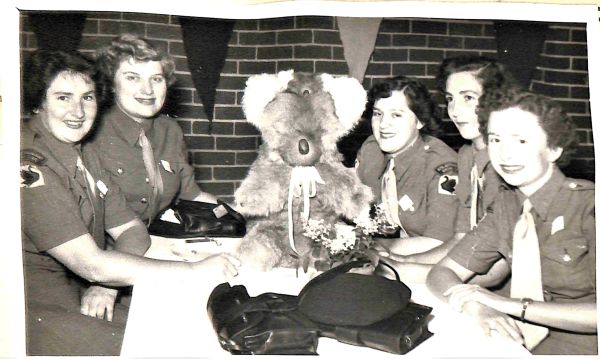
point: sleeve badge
(31, 177)
(447, 184)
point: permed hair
(418, 99)
(130, 46)
(558, 126)
(42, 67)
(490, 73)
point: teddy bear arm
(260, 194)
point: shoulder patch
(31, 177)
(448, 168)
(32, 156)
(447, 184)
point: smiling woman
(412, 173)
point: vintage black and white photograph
(324, 178)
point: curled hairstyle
(42, 67)
(418, 99)
(130, 46)
(490, 73)
(558, 126)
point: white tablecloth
(168, 317)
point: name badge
(558, 224)
(166, 165)
(102, 188)
(406, 203)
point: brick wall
(412, 47)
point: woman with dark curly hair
(411, 173)
(68, 202)
(144, 151)
(541, 222)
(463, 81)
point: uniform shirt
(488, 183)
(425, 178)
(57, 203)
(116, 140)
(563, 211)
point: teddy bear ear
(349, 98)
(260, 90)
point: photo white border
(12, 323)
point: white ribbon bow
(303, 183)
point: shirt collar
(543, 197)
(65, 153)
(408, 152)
(126, 127)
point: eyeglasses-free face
(394, 125)
(140, 88)
(69, 108)
(518, 148)
(462, 95)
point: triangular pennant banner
(358, 35)
(58, 30)
(519, 47)
(205, 42)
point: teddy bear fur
(289, 108)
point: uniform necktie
(526, 279)
(88, 176)
(154, 176)
(390, 197)
(474, 196)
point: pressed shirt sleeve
(441, 212)
(480, 248)
(116, 210)
(50, 212)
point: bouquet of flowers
(337, 243)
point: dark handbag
(364, 310)
(199, 219)
(265, 324)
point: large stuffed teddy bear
(298, 173)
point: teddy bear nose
(303, 146)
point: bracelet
(525, 302)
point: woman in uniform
(464, 80)
(541, 222)
(143, 151)
(412, 174)
(68, 202)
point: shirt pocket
(566, 267)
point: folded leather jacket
(358, 309)
(198, 219)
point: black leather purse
(198, 219)
(364, 310)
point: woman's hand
(483, 304)
(222, 265)
(490, 319)
(96, 301)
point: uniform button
(147, 180)
(426, 147)
(120, 171)
(572, 185)
(144, 200)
